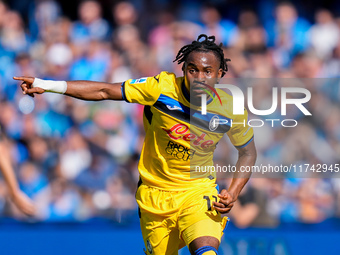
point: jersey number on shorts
(209, 201)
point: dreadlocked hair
(206, 45)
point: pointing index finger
(19, 78)
(24, 79)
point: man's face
(201, 69)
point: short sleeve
(240, 133)
(144, 91)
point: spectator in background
(161, 39)
(14, 39)
(282, 204)
(121, 197)
(92, 63)
(119, 70)
(31, 179)
(213, 24)
(332, 66)
(75, 155)
(94, 177)
(58, 59)
(45, 14)
(10, 121)
(250, 209)
(287, 34)
(43, 155)
(91, 25)
(315, 200)
(58, 201)
(88, 36)
(250, 36)
(324, 35)
(127, 39)
(124, 14)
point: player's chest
(176, 126)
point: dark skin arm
(85, 90)
(246, 157)
(20, 199)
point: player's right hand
(27, 87)
(226, 202)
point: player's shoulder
(168, 79)
(166, 76)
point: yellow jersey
(178, 137)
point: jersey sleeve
(240, 133)
(144, 91)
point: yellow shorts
(172, 219)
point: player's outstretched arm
(86, 90)
(23, 203)
(247, 157)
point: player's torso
(178, 140)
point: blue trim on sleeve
(244, 145)
(173, 104)
(226, 225)
(123, 92)
(202, 250)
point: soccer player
(177, 206)
(23, 203)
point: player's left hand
(24, 204)
(226, 202)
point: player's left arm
(246, 157)
(20, 199)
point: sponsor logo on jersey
(141, 80)
(179, 151)
(175, 107)
(180, 131)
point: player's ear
(183, 68)
(220, 73)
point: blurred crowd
(78, 160)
